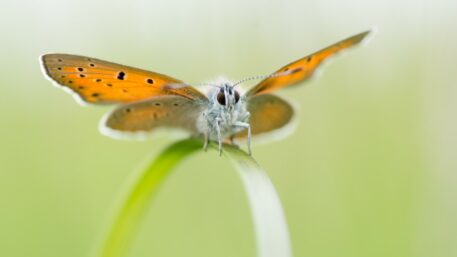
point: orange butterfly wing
(268, 113)
(157, 112)
(302, 69)
(102, 82)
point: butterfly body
(226, 114)
(149, 100)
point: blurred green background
(369, 171)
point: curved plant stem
(268, 218)
(270, 226)
(129, 214)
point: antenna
(182, 85)
(264, 77)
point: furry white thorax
(220, 121)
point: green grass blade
(268, 218)
(131, 211)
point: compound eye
(221, 97)
(237, 96)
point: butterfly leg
(219, 136)
(248, 127)
(205, 145)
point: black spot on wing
(121, 75)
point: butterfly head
(227, 96)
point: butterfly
(149, 100)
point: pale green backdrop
(371, 169)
